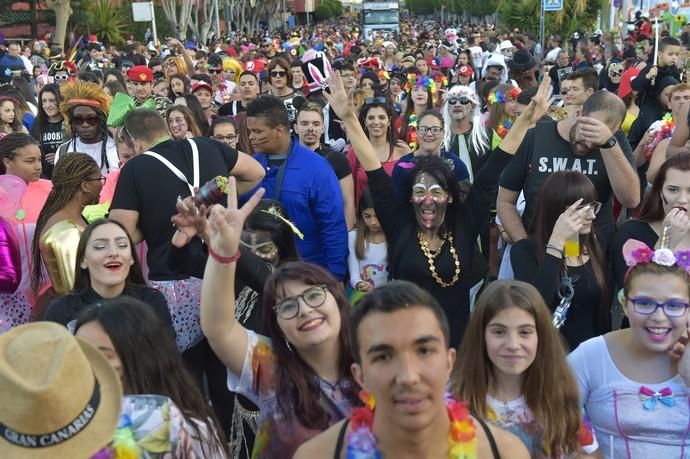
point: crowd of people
(311, 244)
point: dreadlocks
(10, 144)
(83, 93)
(69, 173)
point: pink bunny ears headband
(636, 252)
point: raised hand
(337, 97)
(679, 224)
(679, 351)
(190, 221)
(225, 224)
(569, 224)
(540, 103)
(592, 131)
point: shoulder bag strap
(341, 439)
(178, 173)
(490, 437)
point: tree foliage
(524, 14)
(328, 9)
(108, 22)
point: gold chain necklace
(431, 255)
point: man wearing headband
(85, 109)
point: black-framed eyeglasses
(374, 100)
(278, 74)
(648, 306)
(225, 138)
(461, 100)
(424, 130)
(314, 297)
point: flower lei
(412, 130)
(361, 442)
(663, 131)
(504, 127)
(499, 97)
(123, 446)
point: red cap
(201, 85)
(465, 70)
(140, 73)
(625, 86)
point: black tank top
(487, 431)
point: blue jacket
(312, 197)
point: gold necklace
(431, 255)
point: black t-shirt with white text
(50, 137)
(543, 152)
(147, 186)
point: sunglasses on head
(462, 100)
(90, 120)
(278, 74)
(374, 100)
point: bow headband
(121, 106)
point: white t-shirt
(93, 150)
(373, 268)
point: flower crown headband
(499, 97)
(414, 81)
(637, 253)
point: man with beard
(141, 79)
(249, 90)
(85, 109)
(585, 144)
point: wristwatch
(609, 143)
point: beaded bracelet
(223, 260)
(557, 249)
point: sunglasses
(216, 72)
(60, 77)
(461, 100)
(90, 120)
(374, 100)
(615, 73)
(278, 74)
(565, 91)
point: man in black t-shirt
(584, 144)
(309, 127)
(559, 71)
(249, 90)
(146, 194)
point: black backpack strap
(341, 439)
(490, 437)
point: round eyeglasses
(314, 297)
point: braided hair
(69, 173)
(10, 144)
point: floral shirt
(280, 433)
(518, 419)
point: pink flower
(643, 255)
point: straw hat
(60, 397)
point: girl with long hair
(20, 168)
(367, 259)
(106, 266)
(191, 102)
(77, 182)
(24, 112)
(299, 373)
(49, 127)
(9, 121)
(513, 372)
(666, 204)
(502, 101)
(419, 97)
(377, 119)
(573, 283)
(179, 84)
(634, 382)
(129, 334)
(181, 122)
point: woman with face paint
(665, 204)
(636, 392)
(431, 235)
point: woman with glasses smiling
(634, 382)
(563, 259)
(299, 374)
